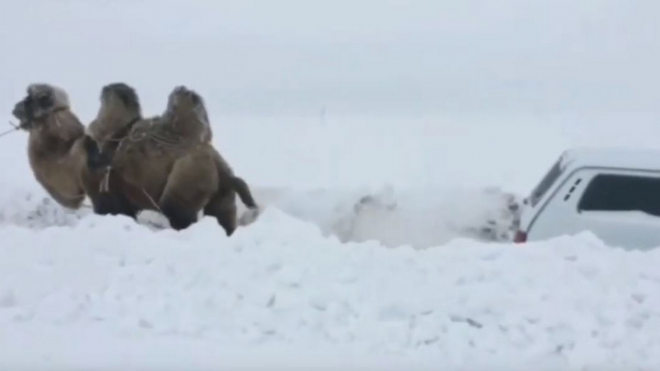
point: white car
(614, 193)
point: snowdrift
(420, 218)
(126, 296)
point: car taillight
(520, 237)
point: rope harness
(104, 187)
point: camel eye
(195, 99)
(44, 101)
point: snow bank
(420, 218)
(280, 288)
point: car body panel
(556, 212)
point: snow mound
(35, 210)
(417, 217)
(420, 218)
(279, 286)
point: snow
(280, 284)
(386, 156)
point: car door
(622, 207)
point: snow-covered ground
(113, 294)
(383, 240)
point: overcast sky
(286, 56)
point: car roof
(615, 157)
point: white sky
(295, 56)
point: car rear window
(548, 180)
(612, 192)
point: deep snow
(100, 293)
(381, 150)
